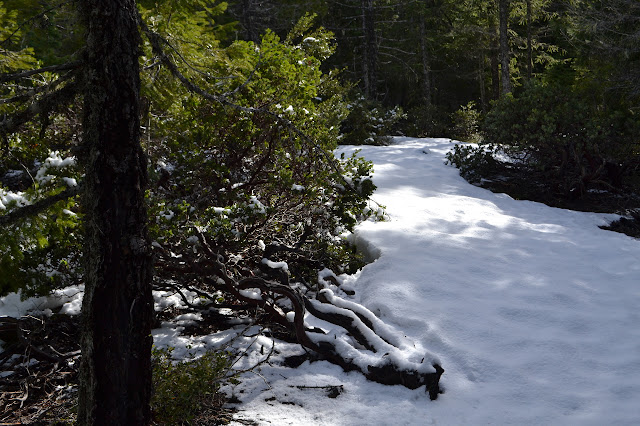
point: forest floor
(531, 310)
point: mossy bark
(115, 381)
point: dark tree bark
(529, 47)
(483, 91)
(426, 68)
(370, 57)
(504, 46)
(247, 20)
(115, 375)
(495, 62)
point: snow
(257, 205)
(70, 181)
(54, 160)
(275, 265)
(531, 310)
(67, 300)
(7, 197)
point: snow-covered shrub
(41, 252)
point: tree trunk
(370, 59)
(483, 92)
(115, 374)
(529, 48)
(504, 46)
(495, 62)
(247, 21)
(426, 69)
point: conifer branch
(28, 73)
(36, 90)
(47, 103)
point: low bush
(575, 141)
(369, 122)
(183, 389)
(465, 123)
(473, 161)
(425, 121)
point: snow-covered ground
(533, 312)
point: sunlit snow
(531, 310)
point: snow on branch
(356, 340)
(35, 208)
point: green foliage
(41, 252)
(425, 121)
(50, 29)
(263, 171)
(473, 161)
(465, 122)
(183, 388)
(244, 176)
(369, 122)
(13, 57)
(568, 134)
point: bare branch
(40, 89)
(52, 68)
(47, 103)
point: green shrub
(369, 122)
(465, 122)
(575, 141)
(473, 161)
(242, 177)
(181, 389)
(425, 121)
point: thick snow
(533, 311)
